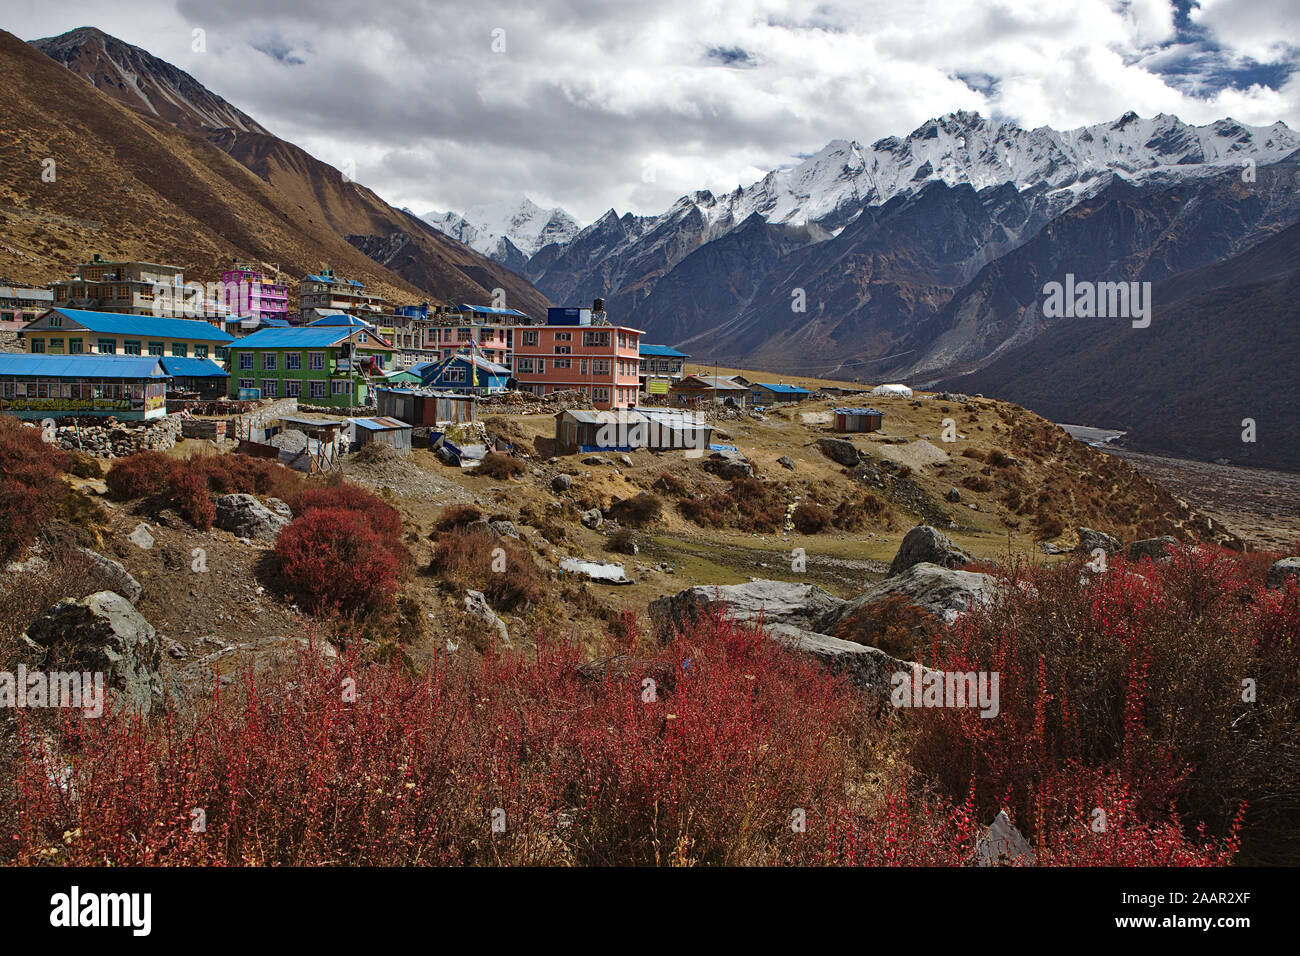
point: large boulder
(1154, 548)
(476, 605)
(1003, 845)
(104, 634)
(113, 574)
(246, 517)
(840, 451)
(924, 544)
(1090, 541)
(729, 464)
(777, 602)
(868, 668)
(944, 592)
(1282, 571)
(561, 483)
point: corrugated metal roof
(379, 423)
(341, 318)
(192, 367)
(464, 307)
(113, 323)
(857, 411)
(479, 360)
(300, 337)
(784, 389)
(660, 350)
(82, 366)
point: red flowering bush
(139, 475)
(333, 559)
(382, 516)
(30, 487)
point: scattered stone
(1003, 845)
(592, 519)
(926, 544)
(953, 495)
(1153, 548)
(476, 605)
(729, 465)
(944, 592)
(599, 571)
(1090, 541)
(561, 483)
(596, 460)
(280, 508)
(840, 451)
(246, 517)
(1287, 568)
(504, 529)
(785, 461)
(868, 668)
(114, 574)
(782, 602)
(626, 460)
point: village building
(729, 390)
(124, 287)
(79, 332)
(50, 386)
(251, 294)
(627, 429)
(659, 368)
(242, 325)
(469, 375)
(201, 377)
(378, 430)
(322, 293)
(768, 393)
(857, 419)
(425, 406)
(322, 364)
(578, 349)
(18, 306)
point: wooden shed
(425, 407)
(382, 431)
(857, 420)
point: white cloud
(589, 94)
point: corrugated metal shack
(380, 430)
(857, 419)
(625, 429)
(425, 407)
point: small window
(179, 349)
(317, 389)
(38, 346)
(340, 386)
(246, 383)
(268, 388)
(293, 388)
(106, 346)
(74, 346)
(268, 361)
(245, 361)
(200, 351)
(156, 348)
(316, 361)
(131, 348)
(293, 361)
(530, 338)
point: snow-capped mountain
(509, 231)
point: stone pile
(113, 439)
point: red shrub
(140, 475)
(810, 518)
(30, 487)
(383, 517)
(333, 559)
(188, 491)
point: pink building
(249, 293)
(601, 360)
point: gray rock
(729, 465)
(1090, 541)
(944, 592)
(103, 633)
(596, 460)
(561, 483)
(1282, 571)
(1003, 845)
(114, 575)
(246, 517)
(840, 451)
(926, 544)
(868, 668)
(783, 602)
(280, 508)
(476, 605)
(626, 460)
(592, 519)
(504, 529)
(785, 461)
(953, 495)
(1154, 548)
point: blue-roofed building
(324, 292)
(769, 393)
(466, 375)
(128, 387)
(329, 365)
(248, 324)
(202, 376)
(660, 367)
(78, 332)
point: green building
(316, 364)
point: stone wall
(118, 439)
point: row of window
(292, 361)
(77, 390)
(530, 366)
(76, 346)
(596, 339)
(316, 388)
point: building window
(179, 349)
(268, 388)
(600, 394)
(56, 345)
(293, 388)
(246, 383)
(130, 348)
(562, 363)
(524, 366)
(316, 361)
(155, 348)
(563, 337)
(268, 361)
(74, 346)
(293, 361)
(317, 389)
(563, 349)
(590, 339)
(454, 373)
(601, 366)
(56, 321)
(245, 361)
(541, 366)
(106, 346)
(530, 338)
(38, 346)
(340, 386)
(200, 351)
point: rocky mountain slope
(509, 232)
(319, 198)
(1239, 315)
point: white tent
(902, 391)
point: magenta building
(249, 293)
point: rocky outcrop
(868, 668)
(777, 602)
(1003, 845)
(944, 592)
(840, 451)
(113, 574)
(1090, 541)
(476, 605)
(729, 465)
(1288, 569)
(246, 517)
(104, 634)
(561, 483)
(785, 461)
(592, 519)
(926, 544)
(1154, 548)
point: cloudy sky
(592, 104)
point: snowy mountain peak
(493, 228)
